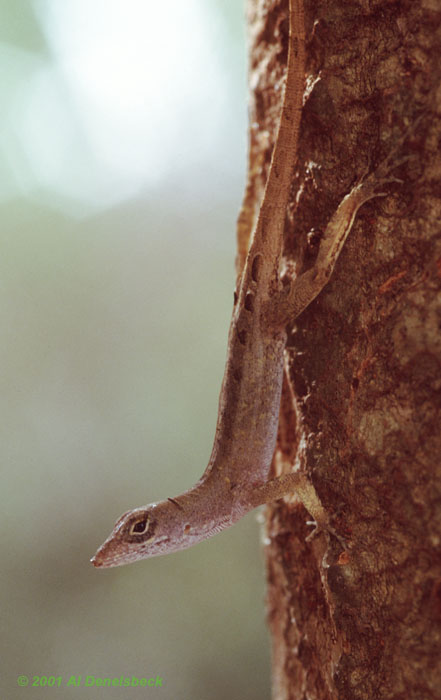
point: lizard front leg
(297, 483)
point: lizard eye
(140, 527)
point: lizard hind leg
(303, 289)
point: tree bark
(361, 403)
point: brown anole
(236, 479)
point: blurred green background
(123, 150)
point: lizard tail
(270, 223)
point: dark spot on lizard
(235, 298)
(242, 335)
(249, 301)
(175, 503)
(255, 268)
(237, 375)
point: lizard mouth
(96, 562)
(109, 554)
(102, 559)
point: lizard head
(159, 528)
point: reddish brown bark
(362, 411)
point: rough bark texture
(361, 407)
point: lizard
(236, 479)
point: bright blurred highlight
(121, 94)
(122, 139)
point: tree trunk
(360, 410)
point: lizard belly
(249, 407)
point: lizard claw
(327, 528)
